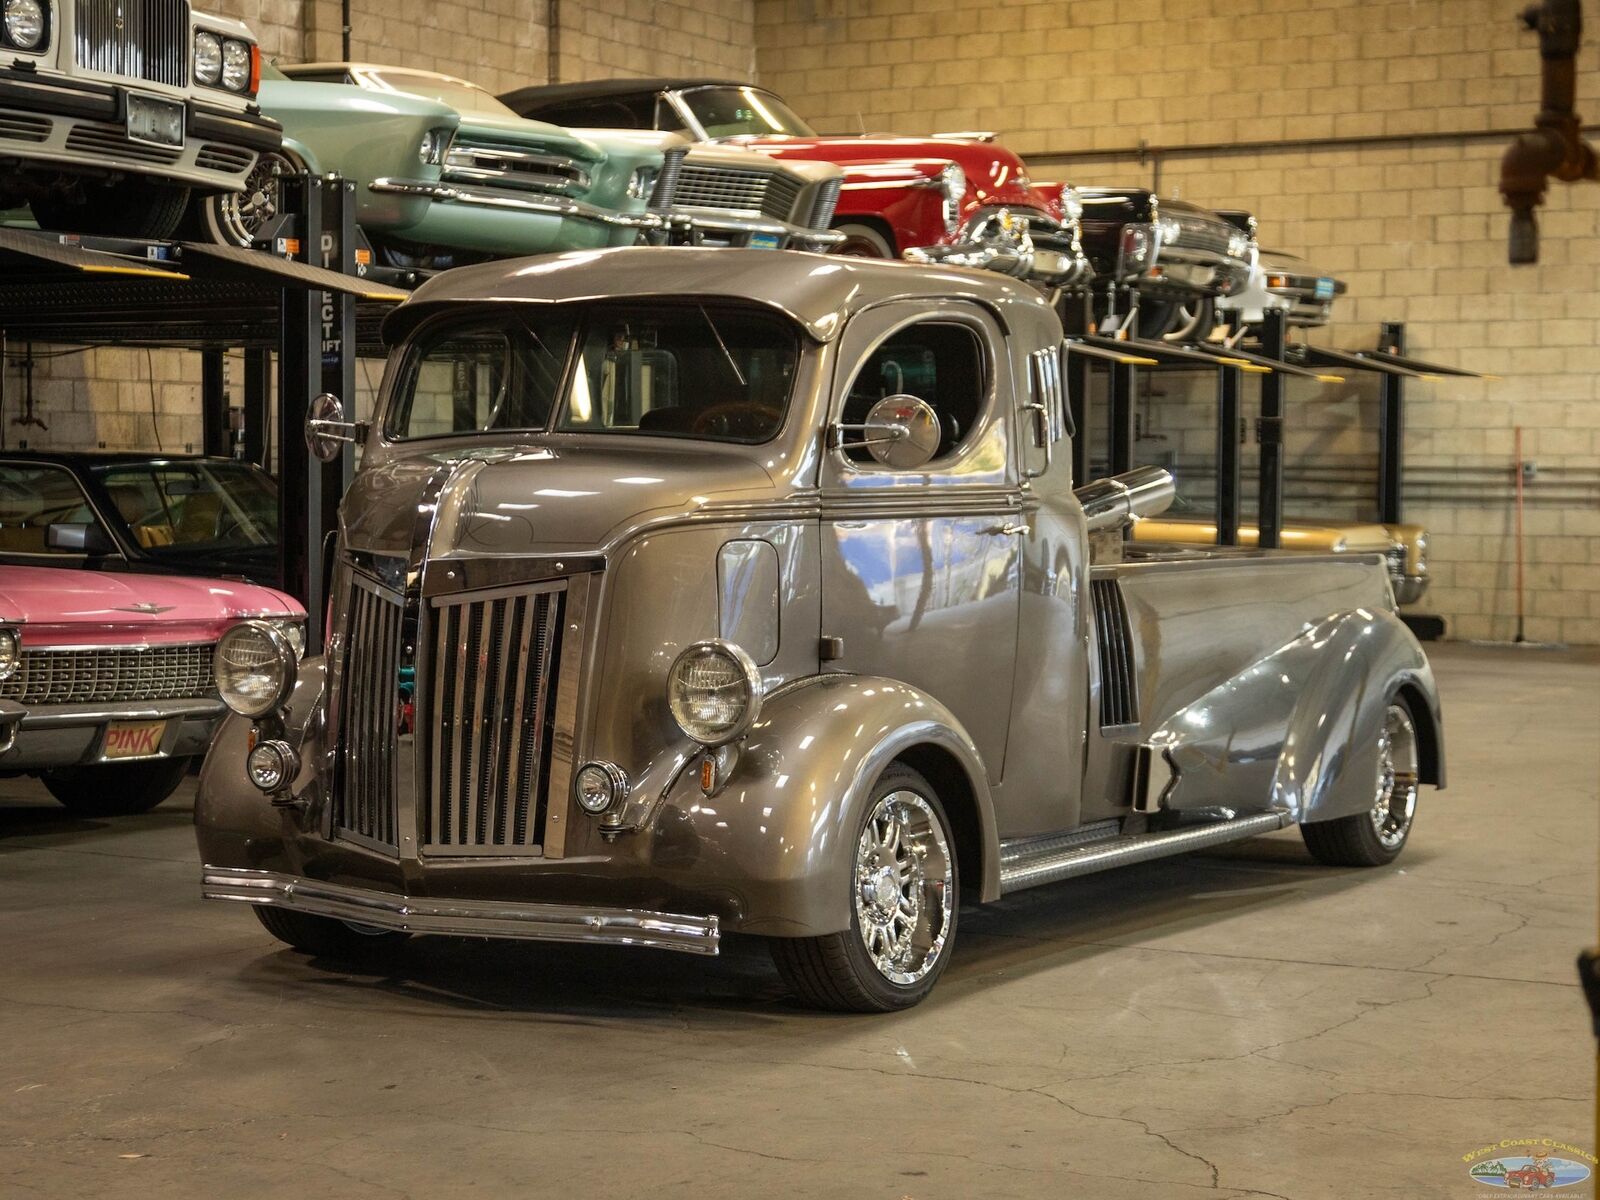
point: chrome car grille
(770, 193)
(369, 744)
(492, 666)
(1396, 556)
(497, 164)
(824, 204)
(1212, 237)
(98, 140)
(137, 39)
(111, 675)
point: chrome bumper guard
(464, 918)
(1002, 242)
(558, 206)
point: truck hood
(495, 128)
(62, 606)
(571, 497)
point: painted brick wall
(1417, 229)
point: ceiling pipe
(1556, 147)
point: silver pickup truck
(691, 592)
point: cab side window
(940, 362)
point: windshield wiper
(732, 366)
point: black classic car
(176, 515)
(1280, 281)
(1160, 263)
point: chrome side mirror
(327, 431)
(901, 432)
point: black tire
(863, 241)
(324, 937)
(1193, 321)
(137, 209)
(1355, 841)
(240, 218)
(116, 789)
(835, 971)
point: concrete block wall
(1416, 228)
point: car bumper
(464, 917)
(39, 737)
(1408, 589)
(712, 227)
(79, 126)
(495, 199)
(1005, 241)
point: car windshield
(33, 497)
(172, 508)
(710, 372)
(742, 111)
(457, 93)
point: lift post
(1391, 429)
(1269, 436)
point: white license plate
(1324, 290)
(763, 241)
(134, 739)
(158, 122)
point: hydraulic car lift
(93, 292)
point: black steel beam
(1269, 436)
(1228, 481)
(257, 389)
(1123, 383)
(215, 435)
(1392, 430)
(1077, 315)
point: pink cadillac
(106, 689)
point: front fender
(781, 833)
(1297, 731)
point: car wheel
(116, 789)
(324, 937)
(138, 209)
(904, 894)
(863, 241)
(1193, 321)
(1376, 837)
(240, 218)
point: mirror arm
(889, 433)
(339, 431)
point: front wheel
(139, 209)
(904, 894)
(862, 241)
(1194, 320)
(325, 937)
(242, 218)
(1376, 837)
(116, 789)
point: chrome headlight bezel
(1168, 230)
(1239, 245)
(292, 628)
(952, 181)
(743, 674)
(599, 786)
(1071, 203)
(278, 669)
(433, 147)
(207, 57)
(37, 13)
(10, 652)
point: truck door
(920, 568)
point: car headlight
(293, 629)
(642, 183)
(1239, 245)
(434, 143)
(1071, 203)
(254, 668)
(953, 188)
(714, 692)
(10, 652)
(1168, 230)
(207, 58)
(24, 24)
(236, 65)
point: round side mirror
(326, 430)
(902, 432)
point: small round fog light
(10, 653)
(599, 785)
(272, 765)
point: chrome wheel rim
(1396, 804)
(243, 215)
(904, 887)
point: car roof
(603, 89)
(818, 291)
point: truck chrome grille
(492, 672)
(491, 164)
(369, 749)
(136, 39)
(111, 675)
(770, 193)
(1210, 236)
(1119, 683)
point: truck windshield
(724, 112)
(703, 371)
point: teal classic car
(444, 172)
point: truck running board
(1048, 860)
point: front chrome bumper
(691, 222)
(64, 735)
(1001, 241)
(464, 918)
(555, 206)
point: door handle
(1009, 529)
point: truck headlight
(953, 189)
(236, 65)
(254, 668)
(24, 24)
(714, 692)
(207, 58)
(10, 652)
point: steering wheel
(737, 419)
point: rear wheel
(324, 937)
(116, 789)
(863, 241)
(1376, 837)
(138, 209)
(904, 894)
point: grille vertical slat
(136, 39)
(1119, 688)
(370, 734)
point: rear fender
(1297, 732)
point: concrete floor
(1238, 1024)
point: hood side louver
(1119, 680)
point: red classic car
(106, 685)
(958, 198)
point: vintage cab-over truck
(686, 592)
